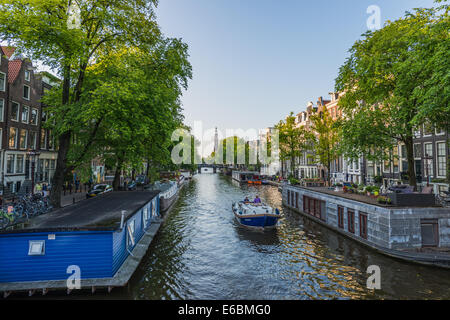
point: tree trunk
(116, 182)
(63, 148)
(409, 144)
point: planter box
(412, 199)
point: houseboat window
(363, 225)
(131, 229)
(289, 197)
(340, 217)
(36, 248)
(145, 216)
(318, 209)
(296, 200)
(292, 199)
(351, 220)
(154, 208)
(305, 204)
(430, 233)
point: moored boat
(168, 193)
(256, 215)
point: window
(440, 131)
(416, 133)
(340, 217)
(26, 92)
(27, 75)
(34, 116)
(296, 200)
(2, 108)
(441, 159)
(19, 163)
(25, 114)
(289, 197)
(429, 160)
(313, 207)
(43, 139)
(417, 151)
(12, 137)
(351, 221)
(15, 111)
(430, 233)
(2, 81)
(363, 225)
(23, 139)
(33, 139)
(395, 159)
(130, 233)
(154, 214)
(43, 116)
(145, 216)
(10, 163)
(36, 248)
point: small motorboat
(256, 215)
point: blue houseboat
(103, 238)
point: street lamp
(33, 155)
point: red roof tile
(8, 51)
(14, 69)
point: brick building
(21, 134)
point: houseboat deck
(101, 213)
(352, 196)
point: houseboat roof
(100, 213)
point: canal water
(202, 253)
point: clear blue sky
(254, 61)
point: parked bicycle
(24, 208)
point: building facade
(27, 155)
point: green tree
(41, 30)
(325, 140)
(294, 140)
(381, 80)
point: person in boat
(246, 200)
(257, 200)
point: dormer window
(26, 92)
(27, 75)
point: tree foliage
(390, 82)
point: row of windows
(351, 221)
(23, 115)
(15, 164)
(428, 130)
(27, 139)
(428, 153)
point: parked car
(140, 180)
(98, 189)
(132, 185)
